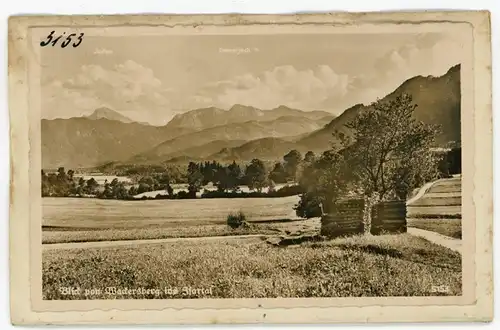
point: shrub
(184, 195)
(236, 220)
(308, 206)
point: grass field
(84, 220)
(91, 213)
(447, 227)
(435, 211)
(310, 226)
(395, 265)
(67, 236)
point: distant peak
(213, 109)
(107, 113)
(282, 107)
(103, 110)
(238, 106)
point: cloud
(128, 87)
(322, 87)
(427, 55)
(60, 102)
(103, 51)
(282, 85)
(136, 91)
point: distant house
(439, 150)
(451, 162)
(94, 174)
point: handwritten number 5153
(66, 41)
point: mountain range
(226, 135)
(211, 117)
(107, 136)
(240, 133)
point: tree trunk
(370, 201)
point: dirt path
(421, 192)
(449, 242)
(436, 238)
(132, 243)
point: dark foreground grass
(447, 227)
(397, 265)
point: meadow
(88, 219)
(92, 213)
(247, 268)
(447, 227)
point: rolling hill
(226, 135)
(265, 149)
(204, 150)
(83, 142)
(438, 100)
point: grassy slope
(357, 266)
(440, 209)
(447, 227)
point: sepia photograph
(214, 163)
(291, 166)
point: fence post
(389, 216)
(344, 218)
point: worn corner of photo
(318, 168)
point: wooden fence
(389, 217)
(345, 218)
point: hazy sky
(153, 78)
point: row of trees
(226, 177)
(290, 168)
(63, 184)
(254, 175)
(117, 189)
